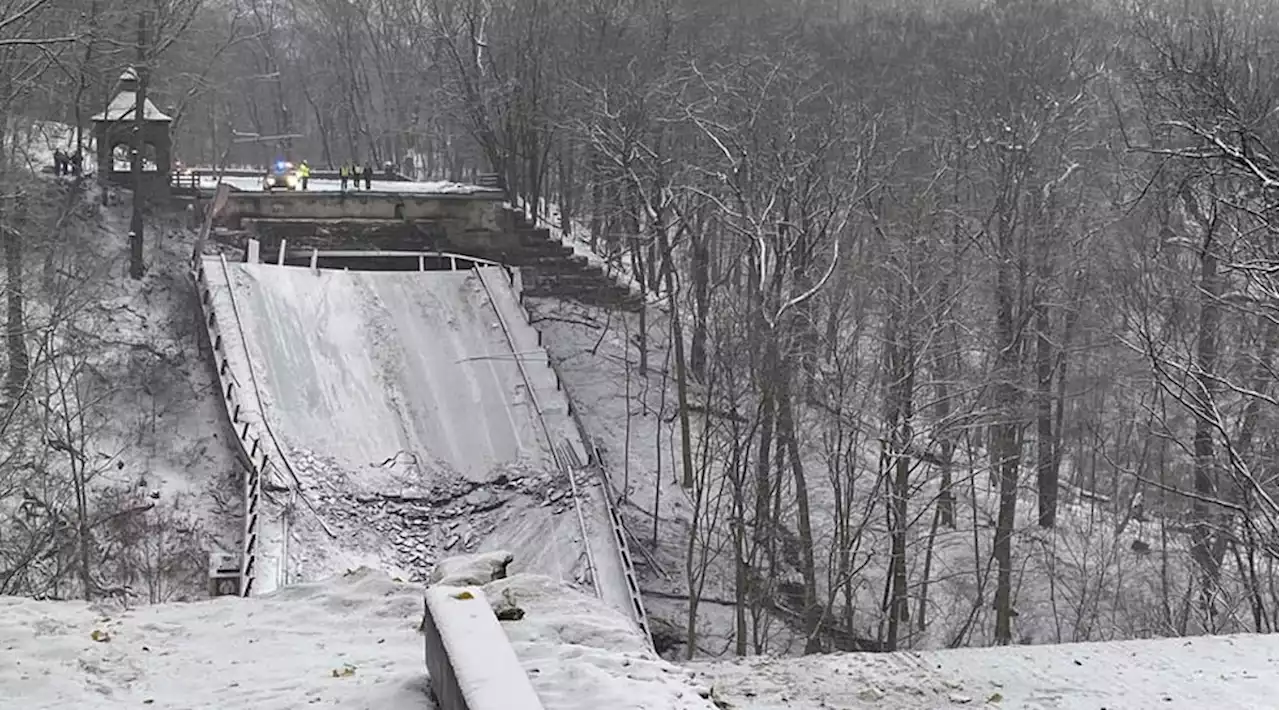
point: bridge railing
(249, 444)
(616, 524)
(197, 173)
(184, 181)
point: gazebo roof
(122, 106)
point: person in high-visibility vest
(342, 176)
(304, 173)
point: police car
(283, 176)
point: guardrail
(469, 656)
(616, 524)
(546, 431)
(184, 181)
(453, 257)
(316, 173)
(248, 446)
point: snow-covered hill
(1237, 672)
(347, 642)
(352, 642)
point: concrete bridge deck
(437, 368)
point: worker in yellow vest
(304, 174)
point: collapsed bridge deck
(436, 373)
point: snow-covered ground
(375, 366)
(352, 642)
(1237, 672)
(148, 408)
(35, 142)
(348, 642)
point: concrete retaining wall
(473, 212)
(469, 657)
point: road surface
(360, 368)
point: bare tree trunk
(808, 571)
(136, 267)
(1005, 445)
(682, 385)
(946, 442)
(15, 324)
(1204, 535)
(901, 371)
(1046, 468)
(699, 267)
(82, 83)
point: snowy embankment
(1237, 672)
(348, 642)
(578, 651)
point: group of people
(67, 164)
(354, 173)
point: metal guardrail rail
(390, 253)
(616, 522)
(546, 431)
(295, 491)
(249, 447)
(617, 527)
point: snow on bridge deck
(442, 187)
(404, 384)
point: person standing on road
(304, 174)
(368, 176)
(342, 176)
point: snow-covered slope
(408, 422)
(1237, 672)
(365, 366)
(349, 642)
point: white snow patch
(581, 654)
(471, 570)
(349, 642)
(1238, 672)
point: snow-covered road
(405, 384)
(367, 366)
